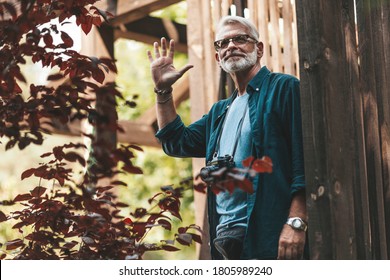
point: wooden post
(374, 42)
(105, 136)
(332, 127)
(203, 89)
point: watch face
(297, 223)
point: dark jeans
(229, 243)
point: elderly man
(262, 117)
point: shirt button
(257, 89)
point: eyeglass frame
(218, 43)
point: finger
(281, 253)
(288, 254)
(150, 56)
(156, 50)
(171, 49)
(300, 252)
(163, 46)
(185, 69)
(294, 253)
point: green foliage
(135, 83)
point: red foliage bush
(73, 219)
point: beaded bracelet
(163, 91)
(164, 101)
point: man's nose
(231, 44)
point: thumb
(185, 69)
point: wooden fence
(345, 82)
(344, 69)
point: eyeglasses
(237, 40)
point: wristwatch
(297, 223)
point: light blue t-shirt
(232, 208)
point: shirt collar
(255, 84)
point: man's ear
(217, 57)
(260, 49)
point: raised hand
(164, 74)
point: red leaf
(119, 183)
(87, 26)
(246, 185)
(46, 154)
(263, 165)
(55, 77)
(201, 187)
(72, 157)
(128, 221)
(197, 238)
(132, 169)
(227, 185)
(88, 240)
(184, 239)
(248, 161)
(14, 244)
(48, 39)
(139, 212)
(121, 204)
(169, 248)
(165, 224)
(70, 245)
(135, 147)
(19, 225)
(38, 191)
(22, 197)
(3, 217)
(28, 173)
(66, 39)
(98, 75)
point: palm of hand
(164, 74)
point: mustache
(234, 53)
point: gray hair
(238, 20)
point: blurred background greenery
(133, 79)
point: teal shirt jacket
(275, 119)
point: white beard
(236, 64)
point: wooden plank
(288, 49)
(131, 10)
(374, 87)
(263, 16)
(295, 40)
(137, 133)
(225, 7)
(252, 7)
(332, 137)
(275, 36)
(150, 29)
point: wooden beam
(131, 10)
(147, 39)
(137, 133)
(203, 90)
(150, 29)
